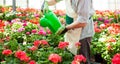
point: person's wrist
(68, 27)
(57, 0)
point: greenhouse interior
(59, 32)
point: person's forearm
(51, 2)
(75, 25)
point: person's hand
(51, 2)
(62, 30)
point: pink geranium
(62, 45)
(55, 58)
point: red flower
(22, 56)
(112, 40)
(116, 59)
(77, 44)
(36, 43)
(1, 24)
(62, 45)
(33, 48)
(43, 42)
(80, 58)
(1, 29)
(32, 62)
(7, 52)
(97, 30)
(55, 58)
(25, 58)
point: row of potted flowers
(24, 41)
(107, 37)
(23, 27)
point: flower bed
(106, 40)
(24, 41)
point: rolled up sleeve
(83, 8)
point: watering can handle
(42, 7)
(45, 7)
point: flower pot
(99, 59)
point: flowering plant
(24, 41)
(106, 40)
(116, 59)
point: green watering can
(51, 21)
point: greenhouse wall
(98, 4)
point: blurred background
(98, 4)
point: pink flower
(75, 62)
(25, 24)
(62, 45)
(7, 52)
(106, 21)
(21, 29)
(33, 48)
(36, 15)
(80, 58)
(55, 58)
(103, 26)
(28, 33)
(49, 32)
(43, 42)
(41, 32)
(34, 31)
(100, 19)
(32, 62)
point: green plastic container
(51, 21)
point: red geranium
(36, 43)
(77, 44)
(22, 56)
(62, 45)
(80, 58)
(32, 62)
(7, 52)
(43, 42)
(55, 58)
(33, 48)
(116, 59)
(97, 30)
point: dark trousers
(85, 48)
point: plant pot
(99, 59)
